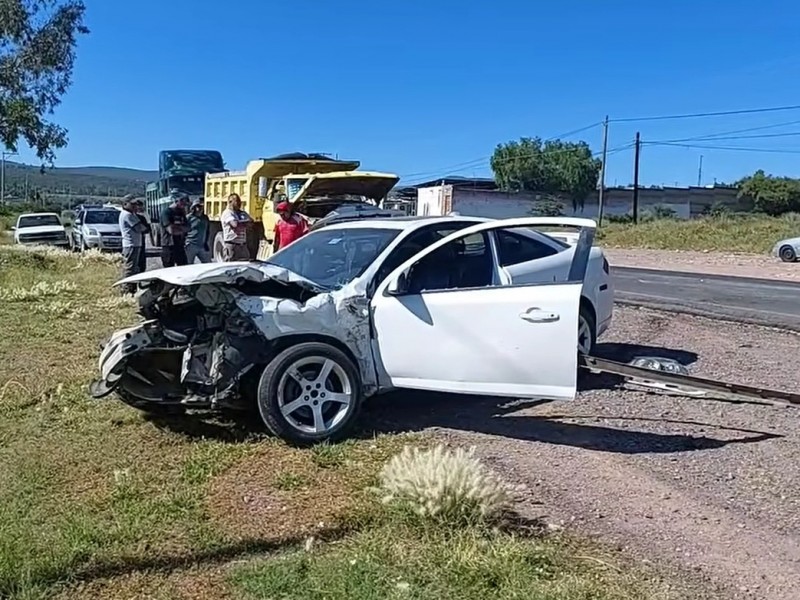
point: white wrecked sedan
(356, 309)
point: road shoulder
(707, 263)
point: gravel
(704, 489)
(709, 263)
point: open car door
(445, 321)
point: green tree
(37, 54)
(771, 195)
(547, 167)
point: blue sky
(428, 88)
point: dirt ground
(711, 263)
(705, 490)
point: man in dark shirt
(173, 233)
(197, 236)
(138, 209)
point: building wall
(684, 202)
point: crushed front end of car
(209, 333)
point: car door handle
(537, 315)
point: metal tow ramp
(669, 377)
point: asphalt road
(764, 302)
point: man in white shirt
(235, 223)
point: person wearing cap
(197, 234)
(235, 222)
(173, 232)
(289, 227)
(132, 231)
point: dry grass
(750, 234)
(93, 492)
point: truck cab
(180, 172)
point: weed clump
(443, 485)
(37, 291)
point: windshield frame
(383, 237)
(35, 217)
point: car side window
(461, 264)
(414, 244)
(514, 248)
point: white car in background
(355, 309)
(41, 229)
(787, 250)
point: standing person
(197, 236)
(132, 232)
(173, 232)
(289, 227)
(235, 222)
(138, 209)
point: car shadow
(410, 411)
(420, 411)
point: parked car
(40, 229)
(787, 250)
(96, 228)
(360, 308)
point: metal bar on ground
(675, 381)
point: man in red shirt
(290, 226)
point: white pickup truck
(41, 229)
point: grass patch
(91, 486)
(753, 234)
(442, 531)
(400, 561)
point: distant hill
(74, 181)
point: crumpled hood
(228, 272)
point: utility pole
(636, 179)
(601, 195)
(700, 172)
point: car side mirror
(398, 286)
(13, 228)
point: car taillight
(605, 265)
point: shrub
(442, 485)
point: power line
(707, 114)
(477, 162)
(484, 162)
(740, 148)
(734, 138)
(746, 130)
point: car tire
(587, 330)
(315, 418)
(787, 254)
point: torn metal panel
(689, 385)
(342, 315)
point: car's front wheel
(787, 254)
(587, 330)
(309, 393)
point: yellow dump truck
(315, 184)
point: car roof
(40, 214)
(401, 222)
